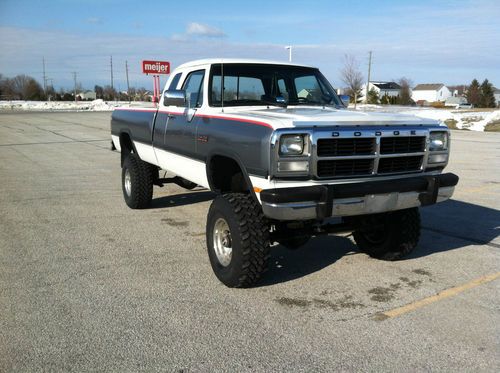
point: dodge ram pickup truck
(287, 160)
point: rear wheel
(137, 182)
(389, 236)
(237, 239)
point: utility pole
(128, 86)
(44, 78)
(369, 71)
(112, 87)
(74, 79)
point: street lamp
(289, 47)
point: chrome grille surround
(376, 132)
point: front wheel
(237, 239)
(389, 236)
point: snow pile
(464, 119)
(493, 116)
(96, 105)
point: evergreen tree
(487, 97)
(372, 96)
(385, 100)
(474, 93)
(394, 100)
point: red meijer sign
(156, 67)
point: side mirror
(174, 97)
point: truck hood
(317, 116)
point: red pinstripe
(250, 121)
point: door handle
(170, 116)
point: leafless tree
(22, 87)
(405, 91)
(109, 93)
(352, 77)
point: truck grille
(376, 153)
(393, 145)
(400, 164)
(345, 167)
(345, 147)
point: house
(390, 89)
(87, 95)
(431, 92)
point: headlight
(291, 145)
(438, 141)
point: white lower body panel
(116, 142)
(146, 152)
(184, 167)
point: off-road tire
(398, 236)
(249, 232)
(141, 182)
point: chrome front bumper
(319, 202)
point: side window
(194, 88)
(175, 81)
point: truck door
(181, 128)
(162, 117)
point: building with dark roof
(390, 89)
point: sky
(442, 41)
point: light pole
(289, 47)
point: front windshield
(267, 84)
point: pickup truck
(286, 160)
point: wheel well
(126, 146)
(225, 175)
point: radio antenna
(222, 85)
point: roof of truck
(210, 61)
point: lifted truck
(286, 159)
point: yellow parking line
(442, 295)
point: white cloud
(200, 29)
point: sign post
(156, 68)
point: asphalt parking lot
(88, 284)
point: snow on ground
(465, 119)
(96, 105)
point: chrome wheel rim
(222, 242)
(128, 183)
